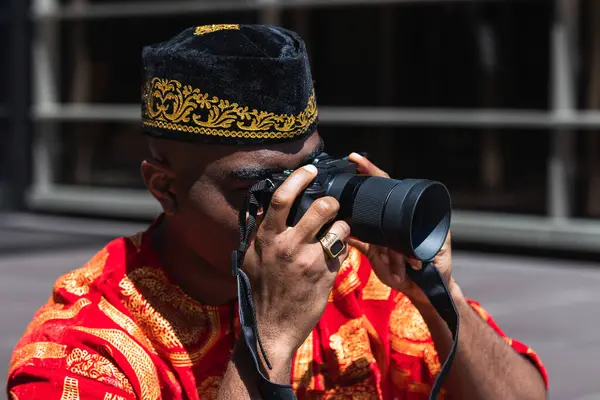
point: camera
(411, 216)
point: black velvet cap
(229, 84)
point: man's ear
(159, 179)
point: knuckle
(280, 200)
(286, 253)
(326, 207)
(344, 228)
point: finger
(320, 213)
(284, 197)
(367, 167)
(387, 271)
(342, 230)
(398, 265)
(358, 245)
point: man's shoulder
(79, 298)
(105, 266)
(84, 333)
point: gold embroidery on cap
(204, 29)
(168, 104)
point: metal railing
(557, 230)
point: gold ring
(333, 245)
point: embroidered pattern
(366, 390)
(111, 396)
(169, 316)
(140, 361)
(96, 367)
(410, 334)
(70, 389)
(403, 380)
(39, 350)
(168, 104)
(79, 281)
(57, 312)
(303, 371)
(126, 323)
(351, 281)
(204, 29)
(375, 289)
(353, 350)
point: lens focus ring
(369, 205)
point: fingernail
(310, 168)
(356, 155)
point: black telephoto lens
(411, 216)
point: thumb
(360, 246)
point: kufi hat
(229, 84)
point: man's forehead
(272, 153)
(258, 163)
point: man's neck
(199, 280)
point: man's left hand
(389, 265)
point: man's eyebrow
(257, 172)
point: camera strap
(428, 278)
(247, 223)
(431, 282)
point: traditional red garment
(119, 329)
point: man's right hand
(291, 275)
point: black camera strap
(247, 223)
(431, 282)
(428, 278)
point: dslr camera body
(411, 216)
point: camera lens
(411, 216)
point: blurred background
(498, 99)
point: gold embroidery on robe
(351, 281)
(401, 378)
(70, 389)
(111, 396)
(352, 350)
(209, 388)
(375, 289)
(37, 350)
(79, 281)
(365, 390)
(94, 366)
(169, 316)
(410, 334)
(13, 396)
(303, 370)
(126, 323)
(56, 311)
(140, 361)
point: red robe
(119, 329)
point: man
(154, 315)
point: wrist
(280, 358)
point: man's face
(208, 184)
